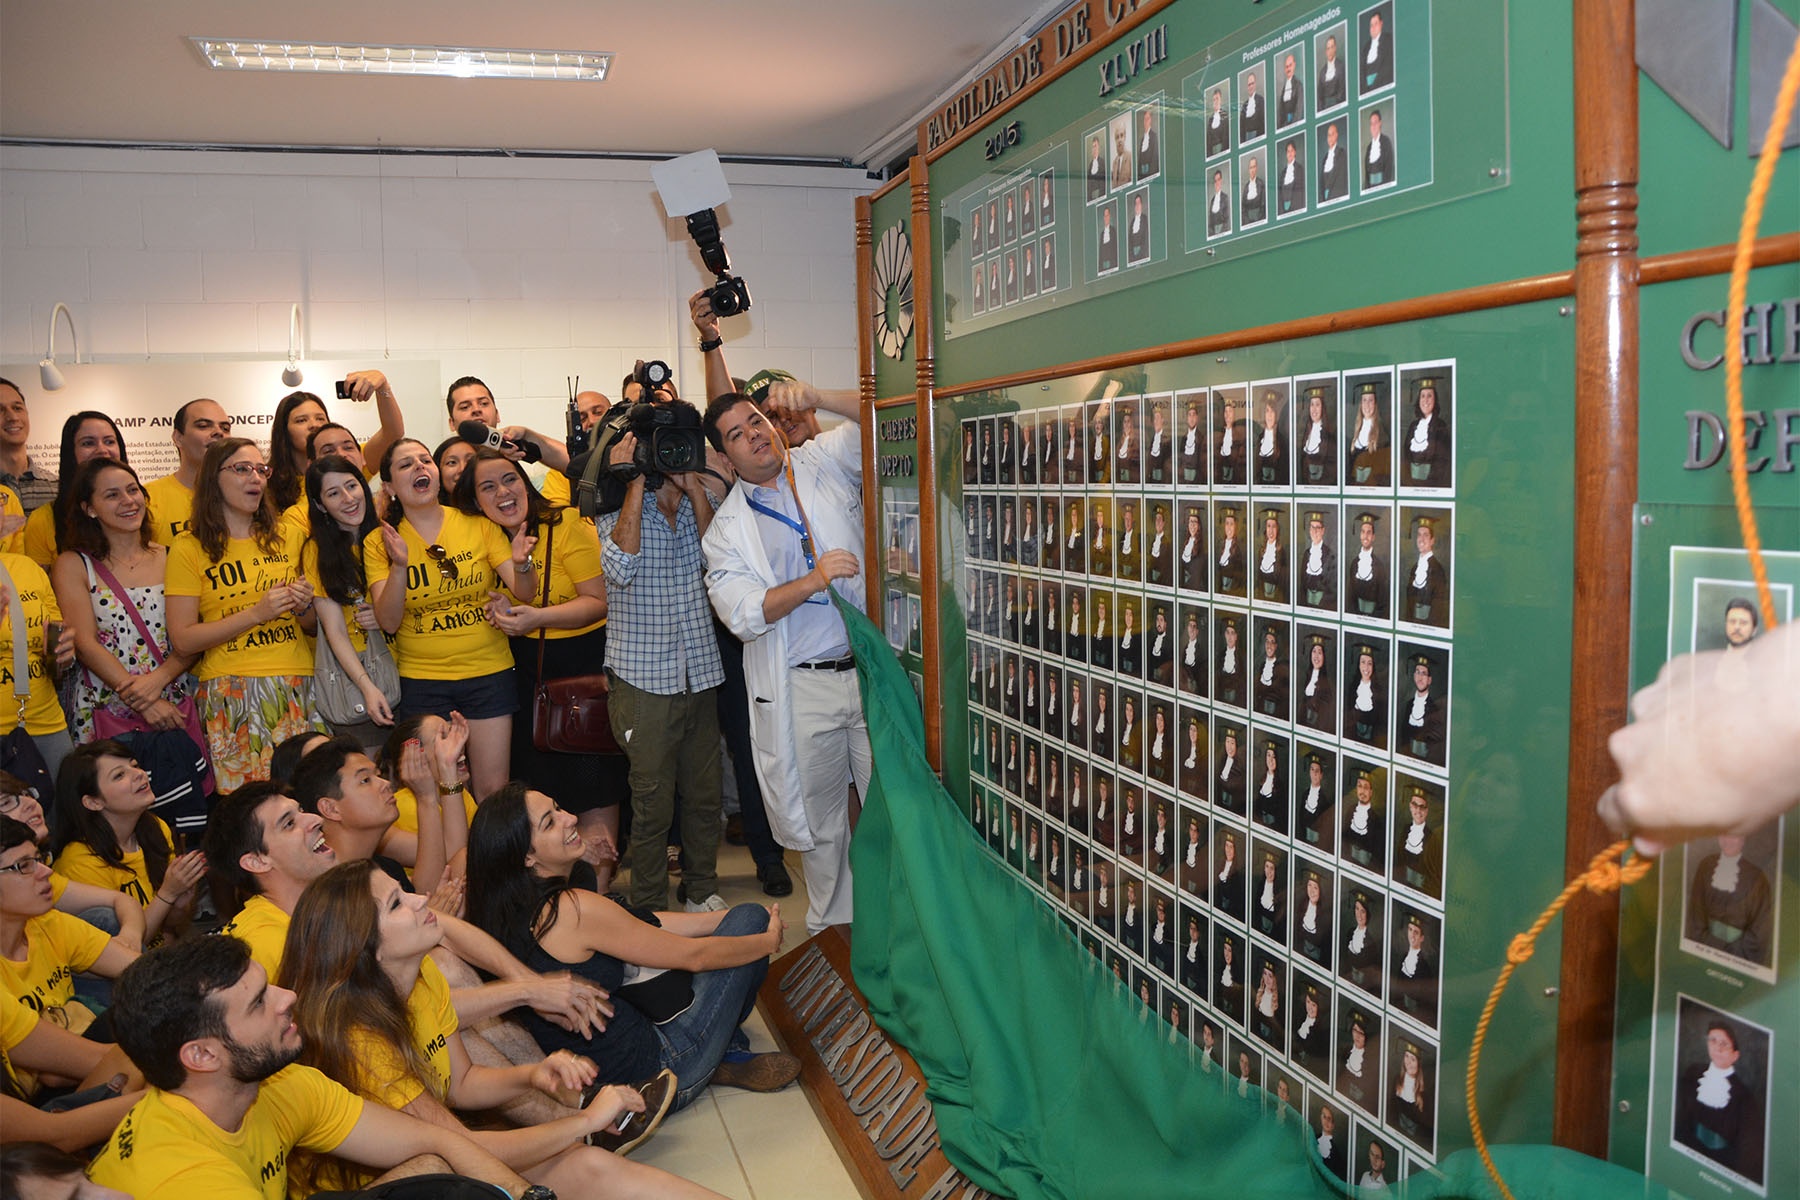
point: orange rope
(1734, 329)
(1604, 874)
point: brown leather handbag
(568, 715)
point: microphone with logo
(477, 434)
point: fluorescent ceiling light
(227, 54)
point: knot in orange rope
(1522, 947)
(1602, 877)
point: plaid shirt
(34, 489)
(659, 622)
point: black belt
(829, 664)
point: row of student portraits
(1372, 431)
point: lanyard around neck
(801, 527)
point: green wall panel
(1495, 70)
(1504, 779)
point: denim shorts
(476, 699)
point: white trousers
(833, 744)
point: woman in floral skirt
(237, 597)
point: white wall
(520, 271)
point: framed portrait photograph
(1719, 1116)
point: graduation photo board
(1277, 572)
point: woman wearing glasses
(564, 624)
(41, 951)
(237, 597)
(431, 573)
(112, 911)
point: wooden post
(925, 360)
(1606, 469)
(865, 382)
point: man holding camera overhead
(663, 662)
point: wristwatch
(537, 1191)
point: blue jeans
(92, 990)
(694, 1042)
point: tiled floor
(742, 1144)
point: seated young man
(339, 781)
(113, 911)
(227, 1104)
(41, 950)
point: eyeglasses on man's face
(28, 865)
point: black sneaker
(775, 879)
(629, 1132)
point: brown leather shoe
(629, 1132)
(759, 1073)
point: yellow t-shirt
(16, 1023)
(11, 506)
(171, 507)
(236, 582)
(43, 713)
(433, 1021)
(309, 563)
(58, 947)
(296, 519)
(576, 548)
(166, 1149)
(264, 928)
(555, 489)
(40, 535)
(408, 804)
(445, 632)
(78, 861)
(59, 883)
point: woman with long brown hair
(374, 1014)
(564, 624)
(302, 414)
(236, 597)
(109, 578)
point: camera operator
(469, 399)
(664, 666)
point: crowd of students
(411, 950)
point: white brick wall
(520, 271)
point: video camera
(669, 442)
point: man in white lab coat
(791, 529)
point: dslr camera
(729, 294)
(669, 442)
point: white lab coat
(828, 475)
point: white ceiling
(806, 78)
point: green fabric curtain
(1048, 1078)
